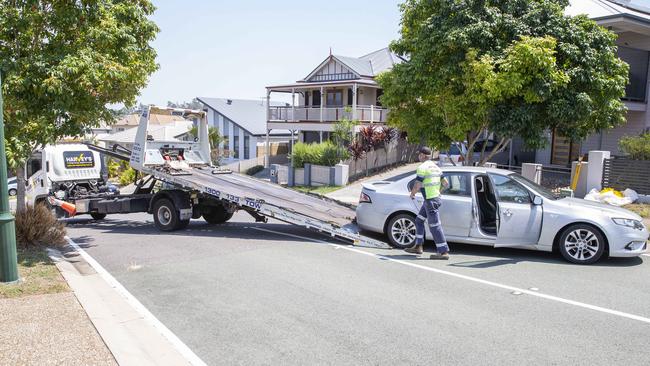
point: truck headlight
(634, 224)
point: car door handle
(507, 212)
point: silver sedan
(499, 208)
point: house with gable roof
(339, 87)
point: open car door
(519, 220)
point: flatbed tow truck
(181, 183)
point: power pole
(8, 259)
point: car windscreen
(543, 191)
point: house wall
(231, 131)
(608, 140)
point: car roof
(475, 169)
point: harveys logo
(78, 159)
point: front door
(519, 220)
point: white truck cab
(62, 170)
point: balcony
(365, 114)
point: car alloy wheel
(581, 244)
(401, 231)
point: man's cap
(425, 150)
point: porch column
(267, 152)
(354, 101)
(322, 98)
(293, 104)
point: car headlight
(635, 224)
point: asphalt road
(247, 293)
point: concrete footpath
(350, 194)
(132, 334)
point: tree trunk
(20, 188)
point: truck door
(35, 178)
(519, 221)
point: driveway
(350, 194)
(253, 293)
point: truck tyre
(97, 215)
(165, 215)
(216, 215)
(182, 224)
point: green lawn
(322, 190)
(38, 275)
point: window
(247, 147)
(235, 137)
(306, 98)
(380, 92)
(350, 96)
(316, 98)
(456, 184)
(334, 98)
(638, 61)
(507, 190)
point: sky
(234, 49)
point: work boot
(416, 249)
(440, 256)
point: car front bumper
(627, 242)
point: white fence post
(532, 172)
(341, 174)
(595, 171)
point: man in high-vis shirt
(428, 182)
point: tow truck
(180, 183)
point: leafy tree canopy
(512, 67)
(63, 62)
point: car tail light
(364, 198)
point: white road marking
(181, 347)
(473, 279)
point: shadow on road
(492, 257)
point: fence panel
(320, 175)
(621, 173)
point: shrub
(254, 169)
(638, 147)
(113, 168)
(325, 153)
(127, 177)
(37, 226)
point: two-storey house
(630, 20)
(339, 87)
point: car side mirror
(537, 200)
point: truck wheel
(216, 215)
(97, 215)
(182, 224)
(13, 192)
(165, 215)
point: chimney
(229, 101)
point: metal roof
(249, 114)
(602, 9)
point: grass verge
(38, 276)
(321, 190)
(641, 209)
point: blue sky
(236, 48)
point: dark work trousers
(429, 212)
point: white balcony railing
(370, 114)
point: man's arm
(416, 187)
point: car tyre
(13, 192)
(165, 215)
(581, 244)
(97, 215)
(401, 231)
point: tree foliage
(515, 68)
(64, 62)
